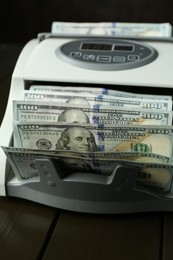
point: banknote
(94, 100)
(105, 91)
(113, 29)
(154, 176)
(37, 111)
(93, 137)
(128, 156)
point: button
(51, 183)
(103, 58)
(119, 59)
(88, 57)
(133, 57)
(75, 54)
(47, 174)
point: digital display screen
(96, 46)
(123, 48)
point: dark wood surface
(32, 231)
(24, 228)
(90, 237)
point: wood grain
(167, 248)
(24, 228)
(90, 237)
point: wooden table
(32, 231)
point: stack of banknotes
(93, 130)
(113, 29)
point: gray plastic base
(89, 193)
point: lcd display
(96, 46)
(123, 48)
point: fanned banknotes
(37, 111)
(95, 101)
(119, 128)
(92, 90)
(155, 175)
(93, 137)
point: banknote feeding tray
(141, 65)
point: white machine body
(43, 61)
(44, 65)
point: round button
(51, 183)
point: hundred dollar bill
(91, 138)
(143, 157)
(113, 29)
(155, 176)
(34, 111)
(105, 91)
(94, 100)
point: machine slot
(133, 89)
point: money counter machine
(141, 65)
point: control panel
(107, 54)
